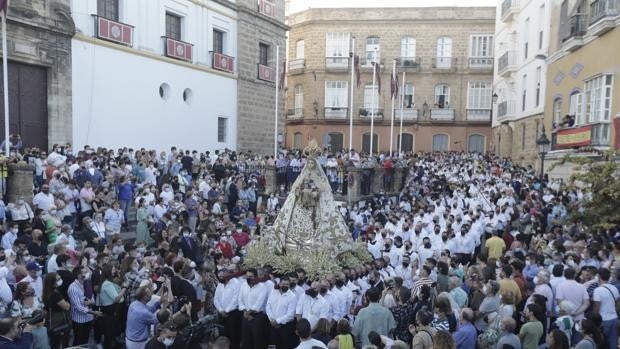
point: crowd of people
(140, 249)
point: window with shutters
(557, 112)
(299, 99)
(523, 92)
(479, 95)
(481, 46)
(371, 98)
(407, 48)
(218, 41)
(222, 129)
(299, 49)
(173, 26)
(297, 140)
(263, 54)
(475, 144)
(442, 96)
(538, 82)
(598, 97)
(408, 99)
(108, 9)
(440, 142)
(373, 49)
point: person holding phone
(81, 313)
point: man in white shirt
(313, 306)
(304, 331)
(52, 265)
(44, 199)
(404, 271)
(8, 239)
(604, 298)
(66, 238)
(226, 302)
(281, 314)
(34, 278)
(574, 292)
(254, 323)
(374, 247)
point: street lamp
(543, 148)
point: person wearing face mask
(374, 247)
(280, 311)
(189, 246)
(44, 200)
(165, 338)
(404, 271)
(9, 237)
(21, 213)
(33, 279)
(82, 315)
(142, 315)
(226, 303)
(254, 323)
(312, 306)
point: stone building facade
(260, 29)
(39, 52)
(446, 54)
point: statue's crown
(312, 150)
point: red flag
(282, 75)
(358, 76)
(4, 4)
(378, 75)
(394, 85)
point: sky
(299, 5)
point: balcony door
(366, 143)
(407, 142)
(440, 142)
(475, 144)
(336, 141)
(444, 53)
(108, 9)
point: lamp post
(543, 148)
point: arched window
(557, 112)
(444, 52)
(407, 142)
(440, 142)
(475, 144)
(407, 49)
(299, 100)
(297, 140)
(366, 143)
(442, 96)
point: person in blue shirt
(125, 195)
(465, 335)
(531, 267)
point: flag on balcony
(377, 67)
(282, 75)
(4, 4)
(394, 84)
(358, 75)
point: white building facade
(155, 73)
(521, 47)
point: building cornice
(490, 22)
(407, 123)
(146, 54)
(255, 14)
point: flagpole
(374, 101)
(352, 92)
(275, 132)
(402, 102)
(392, 113)
(5, 78)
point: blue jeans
(125, 207)
(610, 329)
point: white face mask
(186, 235)
(58, 283)
(168, 342)
(27, 258)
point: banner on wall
(617, 131)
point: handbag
(57, 321)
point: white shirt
(225, 298)
(43, 201)
(20, 212)
(311, 343)
(606, 294)
(374, 249)
(166, 196)
(69, 241)
(150, 175)
(5, 291)
(314, 309)
(52, 266)
(281, 306)
(405, 274)
(252, 298)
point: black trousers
(255, 332)
(284, 337)
(81, 332)
(232, 328)
(109, 326)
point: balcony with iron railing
(178, 49)
(481, 63)
(507, 63)
(589, 135)
(297, 66)
(368, 113)
(506, 109)
(442, 114)
(114, 31)
(336, 63)
(295, 113)
(509, 9)
(444, 64)
(368, 64)
(603, 14)
(409, 63)
(478, 114)
(578, 28)
(406, 114)
(336, 113)
(220, 61)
